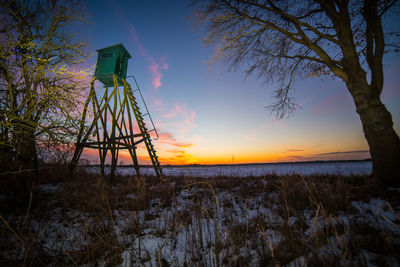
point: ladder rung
(138, 142)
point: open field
(361, 167)
(272, 220)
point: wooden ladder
(122, 135)
(143, 130)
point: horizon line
(236, 164)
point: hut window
(108, 55)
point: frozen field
(211, 221)
(343, 168)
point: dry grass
(200, 221)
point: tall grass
(219, 221)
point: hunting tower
(112, 128)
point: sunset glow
(208, 115)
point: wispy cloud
(178, 108)
(169, 139)
(343, 152)
(135, 39)
(183, 118)
(155, 70)
(155, 66)
(157, 102)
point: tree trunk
(383, 141)
(6, 156)
(27, 154)
(27, 158)
(6, 159)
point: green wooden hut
(112, 60)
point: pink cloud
(182, 117)
(157, 102)
(135, 39)
(155, 66)
(178, 109)
(169, 139)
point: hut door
(118, 66)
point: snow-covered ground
(208, 226)
(258, 170)
(190, 221)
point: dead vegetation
(219, 221)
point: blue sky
(210, 115)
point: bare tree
(288, 40)
(40, 84)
